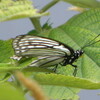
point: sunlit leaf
(8, 92)
(10, 10)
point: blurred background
(59, 15)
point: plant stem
(36, 23)
(49, 5)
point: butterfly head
(78, 53)
(75, 56)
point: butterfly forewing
(26, 45)
(43, 52)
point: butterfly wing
(26, 45)
(47, 61)
(49, 52)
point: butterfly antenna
(91, 43)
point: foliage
(10, 10)
(76, 32)
(85, 3)
(7, 91)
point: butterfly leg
(14, 57)
(75, 70)
(55, 68)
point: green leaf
(60, 92)
(6, 51)
(76, 33)
(67, 81)
(56, 86)
(85, 3)
(10, 10)
(7, 92)
(89, 20)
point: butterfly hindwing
(47, 61)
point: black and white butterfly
(49, 52)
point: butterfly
(49, 52)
